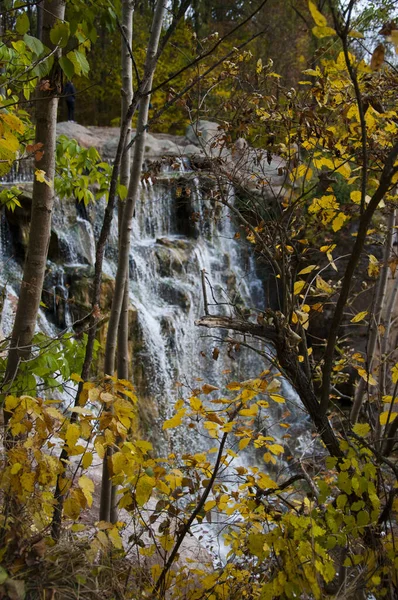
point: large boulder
(203, 132)
(85, 136)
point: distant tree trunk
(39, 20)
(127, 98)
(42, 205)
(124, 248)
(374, 334)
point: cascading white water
(179, 231)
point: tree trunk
(127, 98)
(42, 205)
(39, 21)
(376, 317)
(125, 234)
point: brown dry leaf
(45, 85)
(216, 353)
(207, 388)
(377, 58)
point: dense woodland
(281, 123)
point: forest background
(314, 85)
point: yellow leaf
(248, 394)
(87, 460)
(13, 122)
(373, 266)
(106, 397)
(244, 443)
(267, 457)
(318, 17)
(76, 377)
(323, 162)
(356, 34)
(234, 385)
(321, 32)
(339, 221)
(368, 377)
(307, 270)
(384, 417)
(277, 398)
(195, 403)
(209, 505)
(259, 66)
(249, 412)
(72, 434)
(298, 287)
(358, 317)
(16, 467)
(87, 487)
(99, 448)
(322, 285)
(361, 429)
(71, 508)
(394, 373)
(28, 481)
(115, 538)
(356, 197)
(327, 249)
(176, 420)
(265, 482)
(12, 402)
(42, 178)
(276, 449)
(388, 399)
(143, 490)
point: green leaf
(363, 518)
(356, 34)
(3, 575)
(67, 66)
(59, 34)
(80, 62)
(122, 192)
(22, 24)
(256, 544)
(33, 44)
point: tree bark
(42, 205)
(376, 318)
(39, 21)
(127, 98)
(125, 234)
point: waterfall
(179, 231)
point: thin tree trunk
(42, 205)
(125, 234)
(95, 304)
(127, 98)
(376, 317)
(39, 20)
